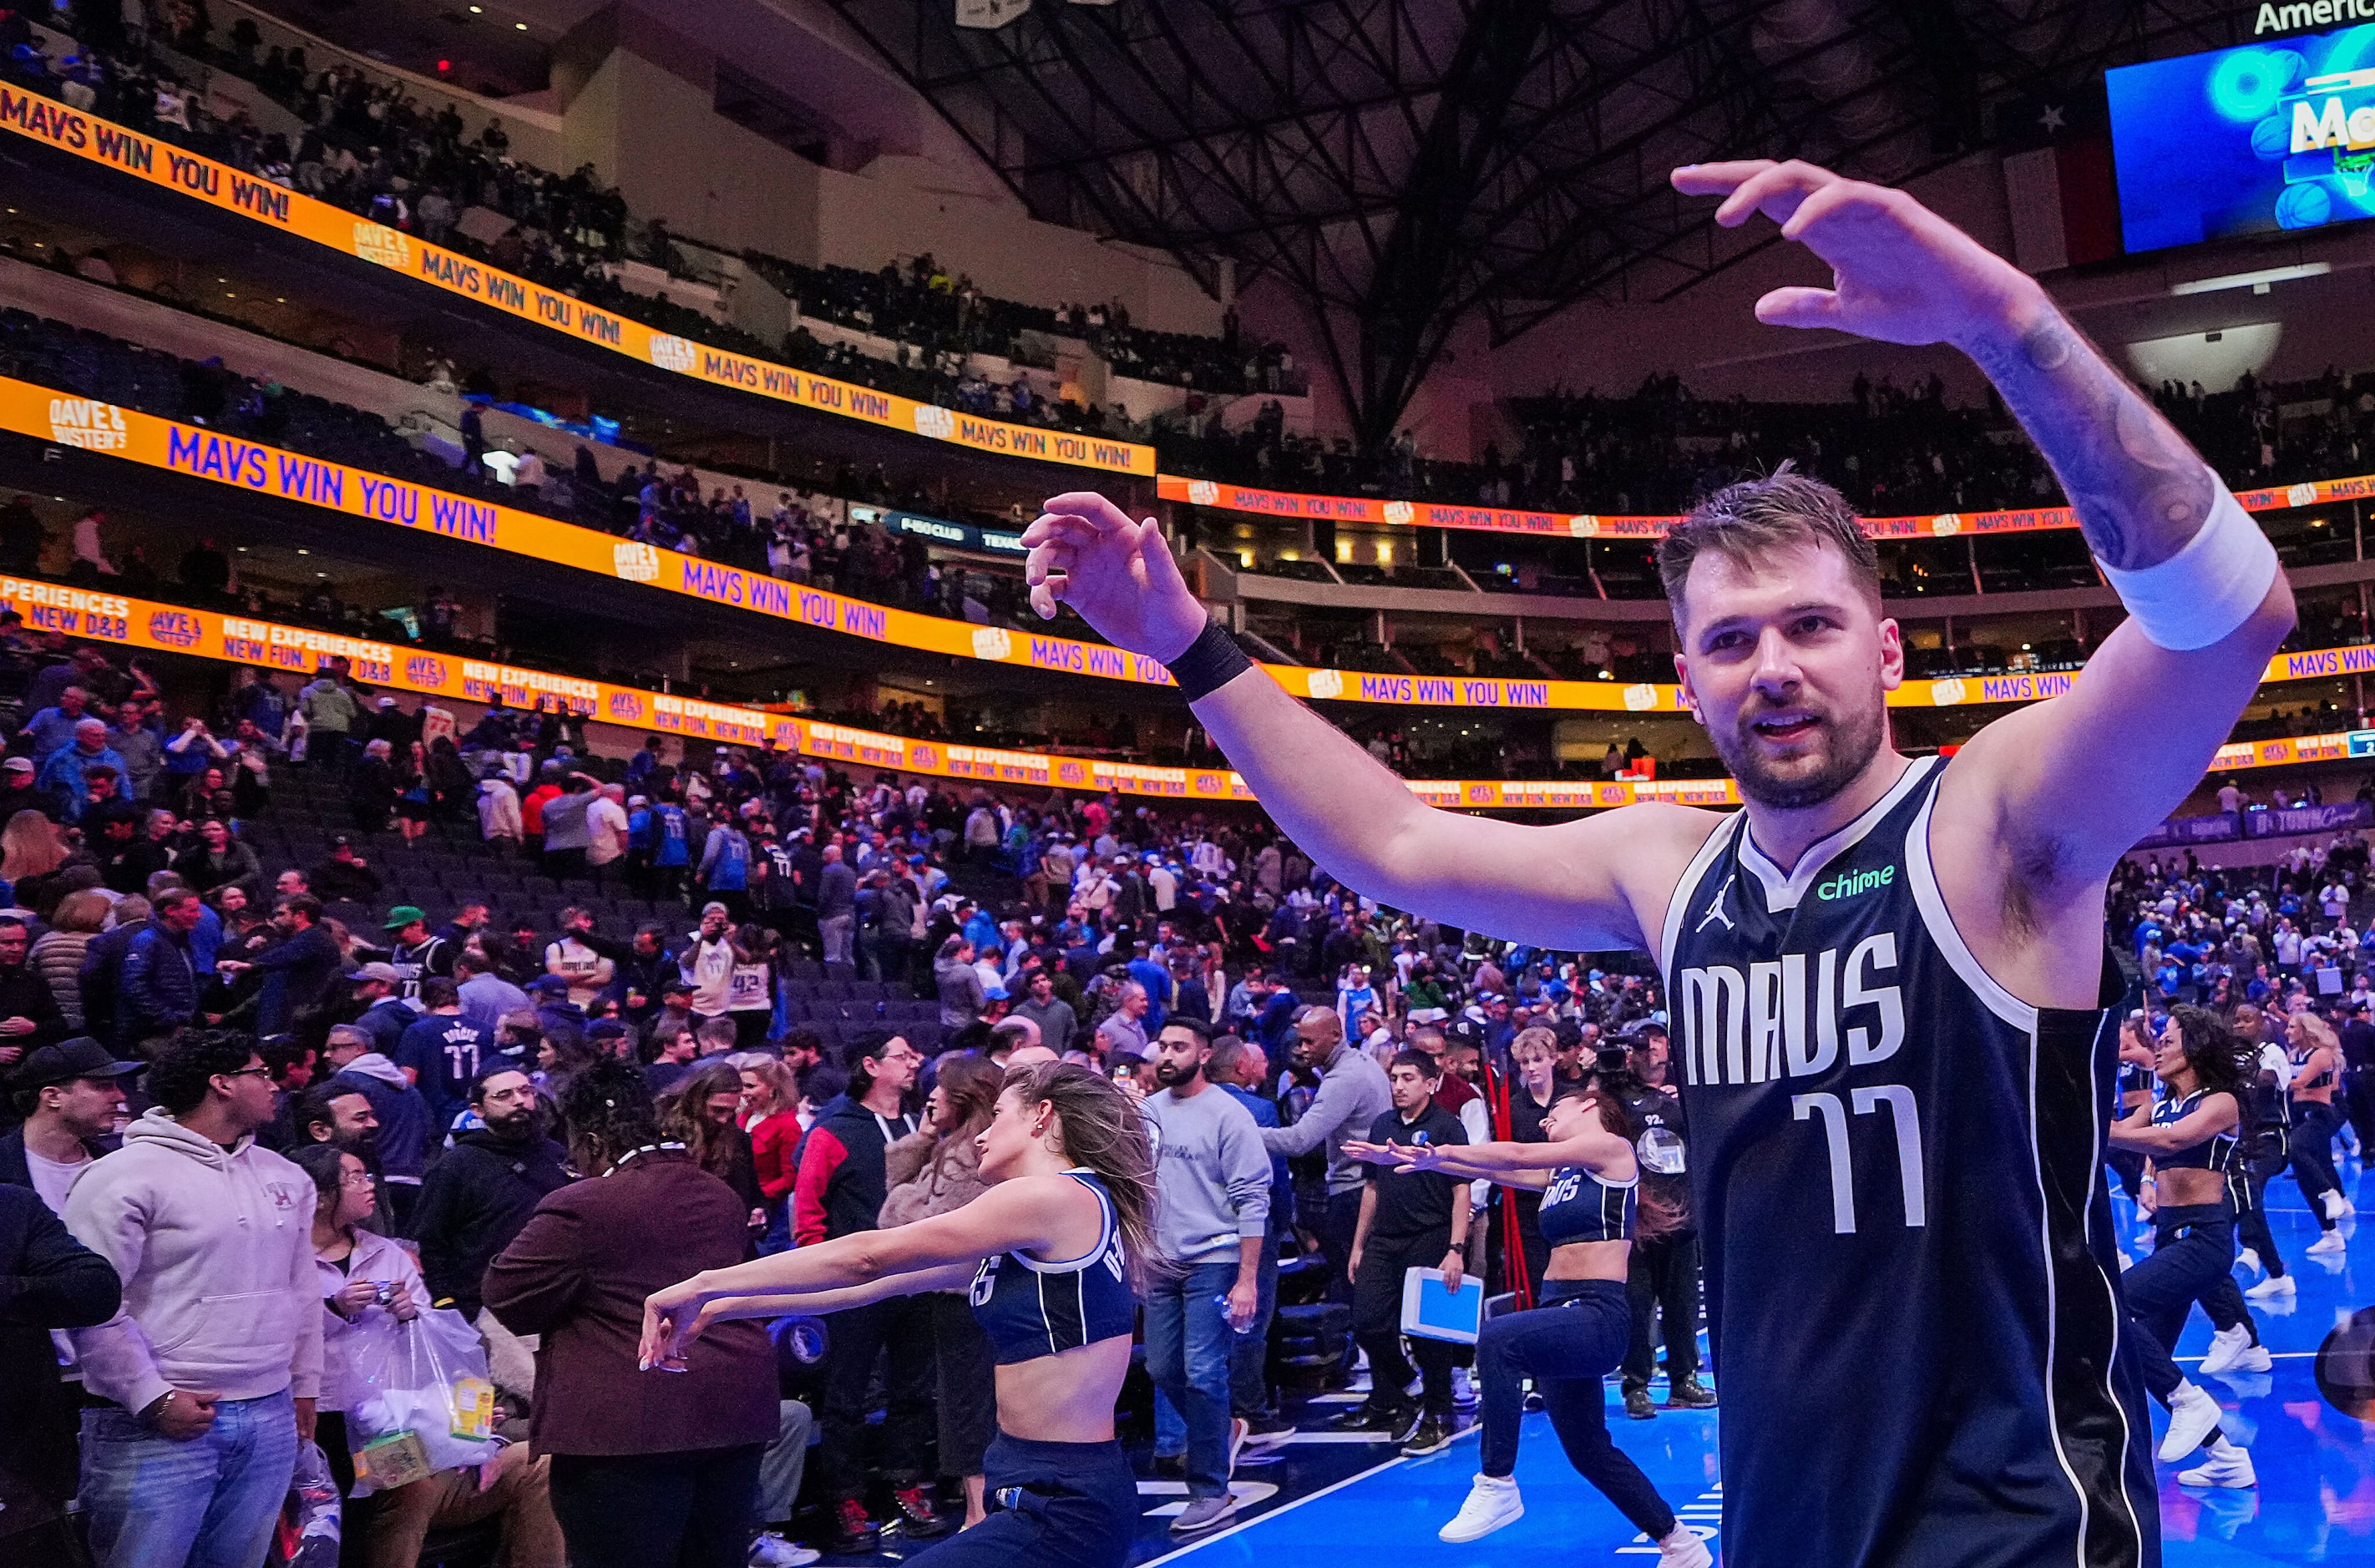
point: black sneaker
(919, 1520)
(1171, 1466)
(852, 1532)
(1638, 1406)
(1372, 1416)
(1690, 1394)
(1432, 1433)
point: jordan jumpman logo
(1715, 911)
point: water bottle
(1222, 1302)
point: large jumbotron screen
(2249, 140)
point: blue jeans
(1250, 1357)
(1188, 1343)
(209, 1502)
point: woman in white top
(370, 1290)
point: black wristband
(1211, 662)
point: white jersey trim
(2053, 1305)
(1784, 891)
(1923, 875)
(1693, 875)
(1109, 1223)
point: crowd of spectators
(430, 1089)
(366, 144)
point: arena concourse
(640, 653)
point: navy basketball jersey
(1582, 1205)
(1035, 1309)
(2216, 1152)
(1912, 1291)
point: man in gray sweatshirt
(211, 1367)
(1353, 1094)
(1212, 1214)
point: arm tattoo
(2141, 492)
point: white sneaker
(2225, 1346)
(1684, 1549)
(2336, 1206)
(2228, 1466)
(2275, 1285)
(772, 1550)
(2249, 1260)
(2253, 1359)
(1239, 1429)
(2330, 1244)
(1492, 1502)
(2192, 1416)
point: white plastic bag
(426, 1404)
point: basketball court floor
(1324, 1500)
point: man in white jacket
(213, 1362)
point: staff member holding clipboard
(1590, 1181)
(1406, 1225)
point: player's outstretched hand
(1118, 574)
(1899, 272)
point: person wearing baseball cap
(71, 1095)
(379, 987)
(414, 952)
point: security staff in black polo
(1409, 1219)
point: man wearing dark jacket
(29, 1018)
(156, 988)
(71, 1094)
(54, 1282)
(297, 969)
(358, 1067)
(640, 973)
(840, 1190)
(475, 1199)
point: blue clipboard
(1433, 1312)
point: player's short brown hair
(1753, 517)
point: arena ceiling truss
(1403, 166)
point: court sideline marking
(1283, 1508)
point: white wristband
(2207, 590)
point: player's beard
(1845, 745)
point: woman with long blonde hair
(1050, 1256)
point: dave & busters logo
(931, 419)
(626, 705)
(175, 629)
(423, 670)
(672, 353)
(635, 562)
(388, 247)
(87, 423)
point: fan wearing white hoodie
(215, 1360)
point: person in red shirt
(532, 810)
(771, 1101)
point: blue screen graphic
(2250, 140)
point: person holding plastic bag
(389, 1367)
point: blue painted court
(2315, 1501)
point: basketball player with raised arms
(1887, 975)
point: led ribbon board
(220, 187)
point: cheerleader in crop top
(1588, 1174)
(1050, 1258)
(2191, 1136)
